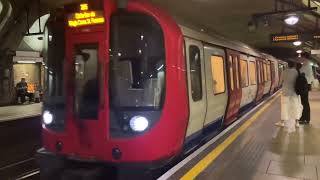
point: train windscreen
(137, 62)
(137, 73)
(54, 56)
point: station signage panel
(284, 37)
(295, 37)
(85, 17)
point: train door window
(261, 72)
(265, 72)
(236, 62)
(244, 73)
(86, 81)
(217, 70)
(195, 72)
(252, 72)
(258, 71)
(269, 72)
(231, 73)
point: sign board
(315, 51)
(85, 17)
(294, 37)
(285, 37)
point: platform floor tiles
(9, 113)
(267, 152)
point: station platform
(258, 150)
(10, 113)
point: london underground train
(127, 85)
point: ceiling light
(299, 51)
(297, 43)
(26, 62)
(291, 19)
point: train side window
(253, 73)
(231, 73)
(195, 72)
(217, 70)
(244, 73)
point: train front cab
(123, 99)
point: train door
(85, 57)
(196, 86)
(217, 96)
(245, 84)
(235, 91)
(260, 75)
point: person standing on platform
(307, 70)
(290, 105)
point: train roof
(220, 41)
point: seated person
(22, 87)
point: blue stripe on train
(211, 130)
(202, 136)
(246, 108)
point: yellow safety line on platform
(206, 161)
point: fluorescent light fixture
(26, 62)
(299, 51)
(297, 43)
(160, 67)
(291, 19)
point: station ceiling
(230, 18)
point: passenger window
(244, 73)
(252, 72)
(195, 72)
(217, 69)
(231, 73)
(237, 72)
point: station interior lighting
(291, 19)
(297, 43)
(26, 62)
(299, 51)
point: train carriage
(129, 86)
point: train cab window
(252, 73)
(231, 73)
(244, 73)
(54, 75)
(195, 72)
(217, 70)
(137, 63)
(86, 81)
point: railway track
(25, 169)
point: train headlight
(47, 117)
(139, 123)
